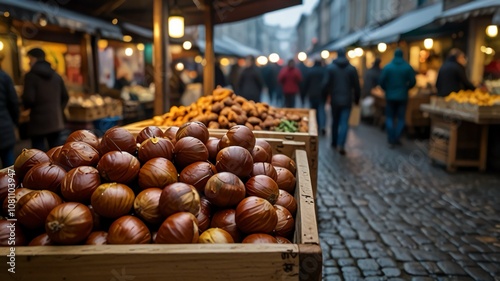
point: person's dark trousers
(319, 105)
(7, 156)
(340, 125)
(53, 139)
(395, 113)
(289, 100)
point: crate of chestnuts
(174, 204)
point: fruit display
(101, 191)
(224, 109)
(476, 97)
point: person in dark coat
(370, 80)
(270, 75)
(9, 114)
(290, 79)
(220, 79)
(46, 96)
(451, 75)
(250, 83)
(313, 87)
(304, 69)
(396, 79)
(342, 84)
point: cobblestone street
(389, 214)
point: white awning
(474, 9)
(229, 47)
(391, 31)
(348, 40)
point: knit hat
(37, 53)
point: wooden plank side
(156, 262)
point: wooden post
(88, 66)
(161, 61)
(209, 68)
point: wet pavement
(389, 214)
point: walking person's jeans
(319, 105)
(395, 113)
(340, 125)
(290, 100)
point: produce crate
(114, 109)
(310, 138)
(84, 114)
(477, 111)
(301, 260)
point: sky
(290, 17)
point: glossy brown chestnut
(46, 176)
(147, 205)
(8, 180)
(197, 175)
(27, 159)
(33, 208)
(157, 172)
(179, 228)
(116, 166)
(286, 222)
(41, 240)
(282, 240)
(97, 238)
(189, 150)
(264, 168)
(286, 200)
(149, 132)
(205, 214)
(69, 223)
(128, 230)
(226, 219)
(112, 200)
(256, 215)
(285, 180)
(213, 148)
(79, 184)
(194, 129)
(117, 139)
(281, 160)
(264, 187)
(84, 136)
(9, 203)
(215, 236)
(238, 135)
(225, 190)
(266, 145)
(260, 238)
(53, 153)
(77, 153)
(170, 133)
(155, 147)
(259, 154)
(236, 160)
(179, 197)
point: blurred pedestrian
(370, 80)
(396, 79)
(342, 84)
(270, 75)
(9, 114)
(451, 76)
(290, 78)
(46, 96)
(250, 83)
(313, 87)
(304, 70)
(220, 79)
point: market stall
(459, 128)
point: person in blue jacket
(396, 79)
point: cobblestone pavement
(388, 214)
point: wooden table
(458, 139)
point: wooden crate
(310, 138)
(85, 114)
(301, 260)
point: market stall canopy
(141, 12)
(229, 47)
(31, 11)
(348, 40)
(392, 31)
(473, 8)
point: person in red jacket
(290, 78)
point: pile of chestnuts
(173, 186)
